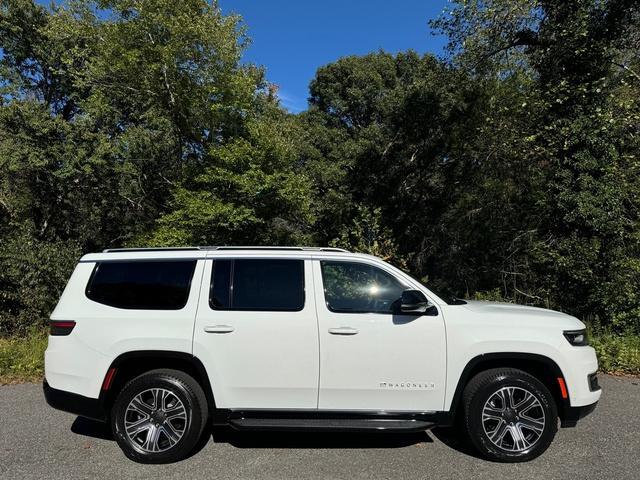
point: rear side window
(148, 285)
(261, 284)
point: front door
(372, 357)
(256, 333)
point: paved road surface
(39, 442)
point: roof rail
(149, 249)
(313, 249)
(169, 249)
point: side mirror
(413, 301)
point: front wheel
(509, 415)
(159, 416)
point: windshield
(442, 293)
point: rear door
(256, 332)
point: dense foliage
(509, 170)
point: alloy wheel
(155, 420)
(513, 419)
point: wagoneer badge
(408, 385)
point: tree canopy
(507, 170)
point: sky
(292, 38)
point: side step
(330, 424)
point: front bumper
(74, 403)
(570, 415)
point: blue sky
(292, 38)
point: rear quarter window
(142, 285)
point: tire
(159, 435)
(501, 432)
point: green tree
(251, 191)
(415, 147)
(124, 121)
(584, 246)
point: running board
(330, 424)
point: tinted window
(359, 288)
(142, 284)
(220, 297)
(267, 285)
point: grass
(22, 358)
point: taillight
(61, 327)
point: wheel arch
(542, 367)
(131, 364)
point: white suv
(159, 342)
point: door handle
(343, 331)
(219, 329)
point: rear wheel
(159, 416)
(509, 415)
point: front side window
(260, 284)
(351, 287)
(144, 285)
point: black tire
(189, 426)
(513, 438)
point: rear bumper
(573, 414)
(74, 403)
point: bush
(22, 358)
(495, 295)
(617, 353)
(33, 275)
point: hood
(522, 312)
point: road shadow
(311, 440)
(101, 430)
(453, 438)
(318, 440)
(91, 428)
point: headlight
(577, 338)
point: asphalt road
(39, 442)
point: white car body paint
(289, 360)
